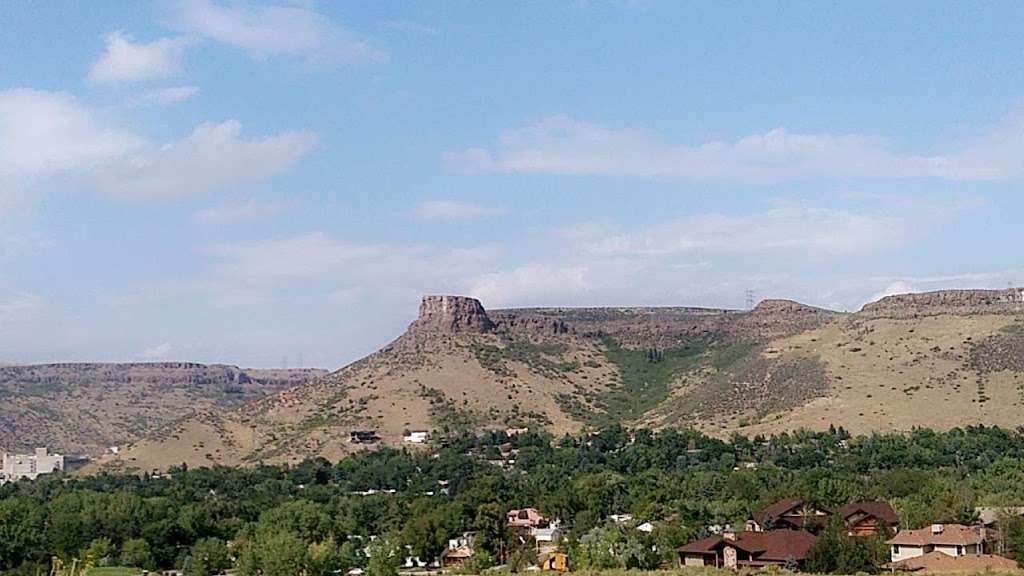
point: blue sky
(278, 183)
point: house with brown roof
(748, 549)
(791, 514)
(868, 518)
(526, 518)
(950, 539)
(939, 562)
(456, 556)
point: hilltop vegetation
(318, 515)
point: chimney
(728, 533)
(937, 528)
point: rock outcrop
(451, 314)
(946, 302)
(773, 318)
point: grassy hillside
(781, 366)
(87, 408)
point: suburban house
(990, 515)
(456, 556)
(949, 539)
(547, 535)
(938, 562)
(867, 518)
(459, 550)
(526, 518)
(791, 513)
(780, 547)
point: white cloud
(452, 210)
(165, 96)
(564, 145)
(302, 256)
(126, 61)
(531, 284)
(247, 211)
(44, 132)
(157, 352)
(801, 230)
(273, 31)
(212, 158)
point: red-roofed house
(748, 549)
(791, 513)
(865, 518)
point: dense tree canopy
(320, 516)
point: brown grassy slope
(936, 360)
(86, 408)
(884, 374)
(419, 382)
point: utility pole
(750, 299)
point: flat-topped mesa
(451, 314)
(776, 317)
(946, 302)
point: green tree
(281, 554)
(386, 556)
(209, 556)
(596, 550)
(322, 558)
(100, 552)
(136, 552)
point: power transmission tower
(750, 299)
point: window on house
(895, 548)
(959, 550)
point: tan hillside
(939, 360)
(87, 408)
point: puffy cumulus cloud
(565, 145)
(453, 210)
(43, 132)
(265, 31)
(126, 61)
(214, 157)
(531, 284)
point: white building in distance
(14, 467)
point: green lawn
(114, 571)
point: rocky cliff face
(451, 314)
(946, 302)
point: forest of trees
(318, 517)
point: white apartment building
(14, 467)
